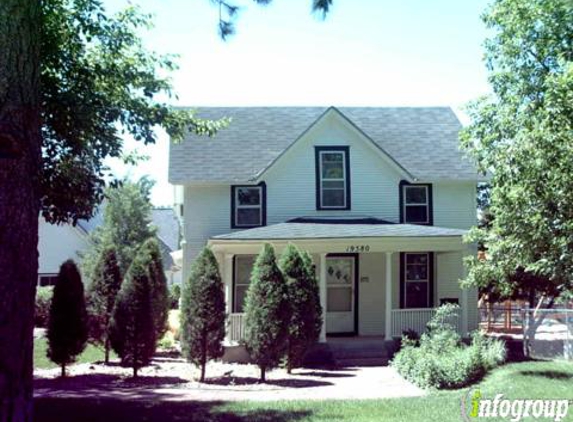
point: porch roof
(329, 230)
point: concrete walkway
(304, 384)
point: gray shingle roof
(424, 140)
(288, 231)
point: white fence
(416, 320)
(235, 328)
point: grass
(535, 380)
(91, 354)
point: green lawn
(41, 361)
(535, 380)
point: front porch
(375, 280)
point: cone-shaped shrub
(203, 312)
(67, 326)
(302, 296)
(132, 328)
(314, 290)
(159, 291)
(103, 290)
(267, 312)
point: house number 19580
(358, 248)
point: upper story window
(332, 178)
(416, 204)
(248, 208)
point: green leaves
(523, 136)
(99, 83)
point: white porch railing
(235, 327)
(417, 320)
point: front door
(340, 291)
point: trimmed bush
(159, 294)
(305, 321)
(132, 328)
(203, 312)
(42, 306)
(102, 293)
(441, 360)
(67, 326)
(267, 312)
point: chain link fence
(545, 333)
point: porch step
(358, 351)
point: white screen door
(340, 294)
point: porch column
(388, 321)
(228, 281)
(465, 296)
(322, 290)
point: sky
(365, 53)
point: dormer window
(248, 206)
(416, 203)
(332, 178)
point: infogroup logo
(475, 406)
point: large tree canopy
(523, 136)
(99, 83)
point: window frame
(46, 275)
(235, 206)
(235, 305)
(404, 185)
(404, 281)
(319, 152)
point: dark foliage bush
(267, 312)
(102, 293)
(306, 317)
(203, 312)
(132, 327)
(67, 326)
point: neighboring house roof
(422, 140)
(298, 231)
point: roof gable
(422, 141)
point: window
(333, 178)
(248, 206)
(47, 280)
(417, 275)
(416, 204)
(243, 265)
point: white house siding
(454, 204)
(291, 182)
(58, 243)
(371, 295)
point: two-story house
(381, 198)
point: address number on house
(358, 248)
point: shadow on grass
(554, 375)
(105, 382)
(290, 382)
(53, 409)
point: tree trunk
(63, 373)
(20, 161)
(263, 374)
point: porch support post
(322, 290)
(388, 280)
(465, 296)
(228, 282)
